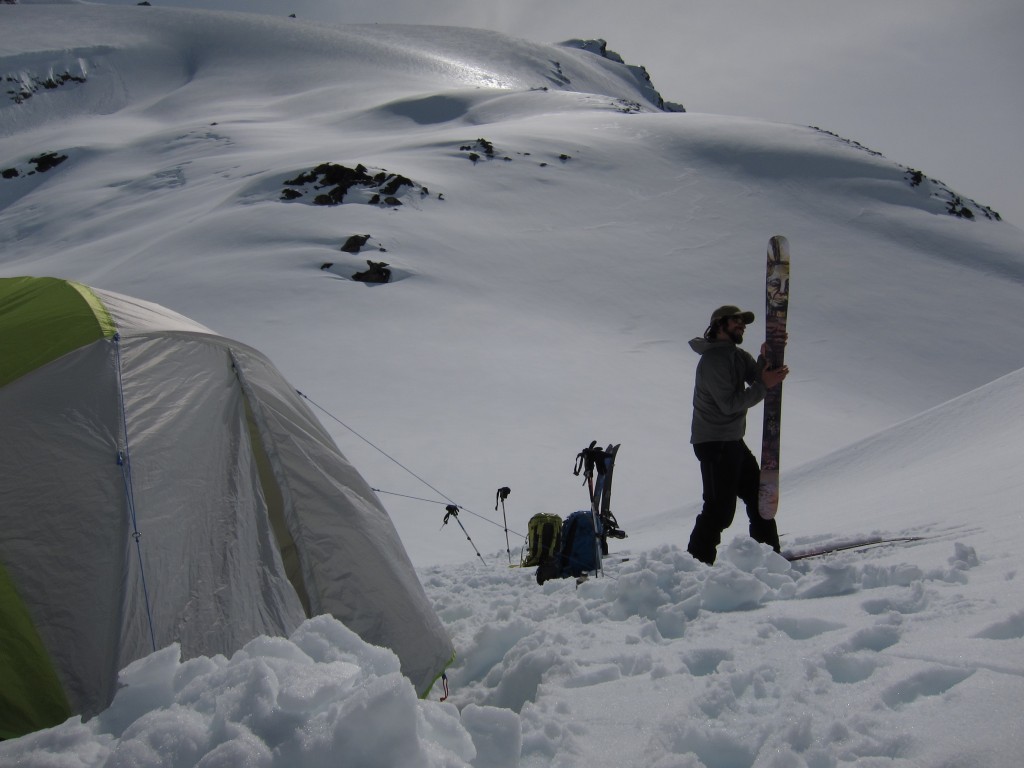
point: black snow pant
(729, 471)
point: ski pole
(501, 496)
(453, 511)
(587, 460)
(585, 464)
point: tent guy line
(447, 499)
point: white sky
(932, 84)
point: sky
(539, 302)
(932, 84)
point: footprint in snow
(705, 661)
(876, 638)
(845, 667)
(1011, 628)
(931, 682)
(914, 600)
(803, 628)
(858, 658)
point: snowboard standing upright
(776, 309)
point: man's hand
(784, 338)
(772, 377)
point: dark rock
(377, 273)
(355, 243)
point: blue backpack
(580, 543)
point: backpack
(543, 537)
(581, 536)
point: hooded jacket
(721, 396)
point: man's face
(734, 328)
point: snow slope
(543, 297)
(593, 244)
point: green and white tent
(161, 483)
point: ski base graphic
(776, 309)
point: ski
(865, 543)
(609, 525)
(602, 461)
(776, 310)
(605, 478)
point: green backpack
(542, 539)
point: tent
(161, 483)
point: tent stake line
(382, 452)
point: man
(729, 381)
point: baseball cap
(730, 311)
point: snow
(539, 302)
(893, 656)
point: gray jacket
(721, 396)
